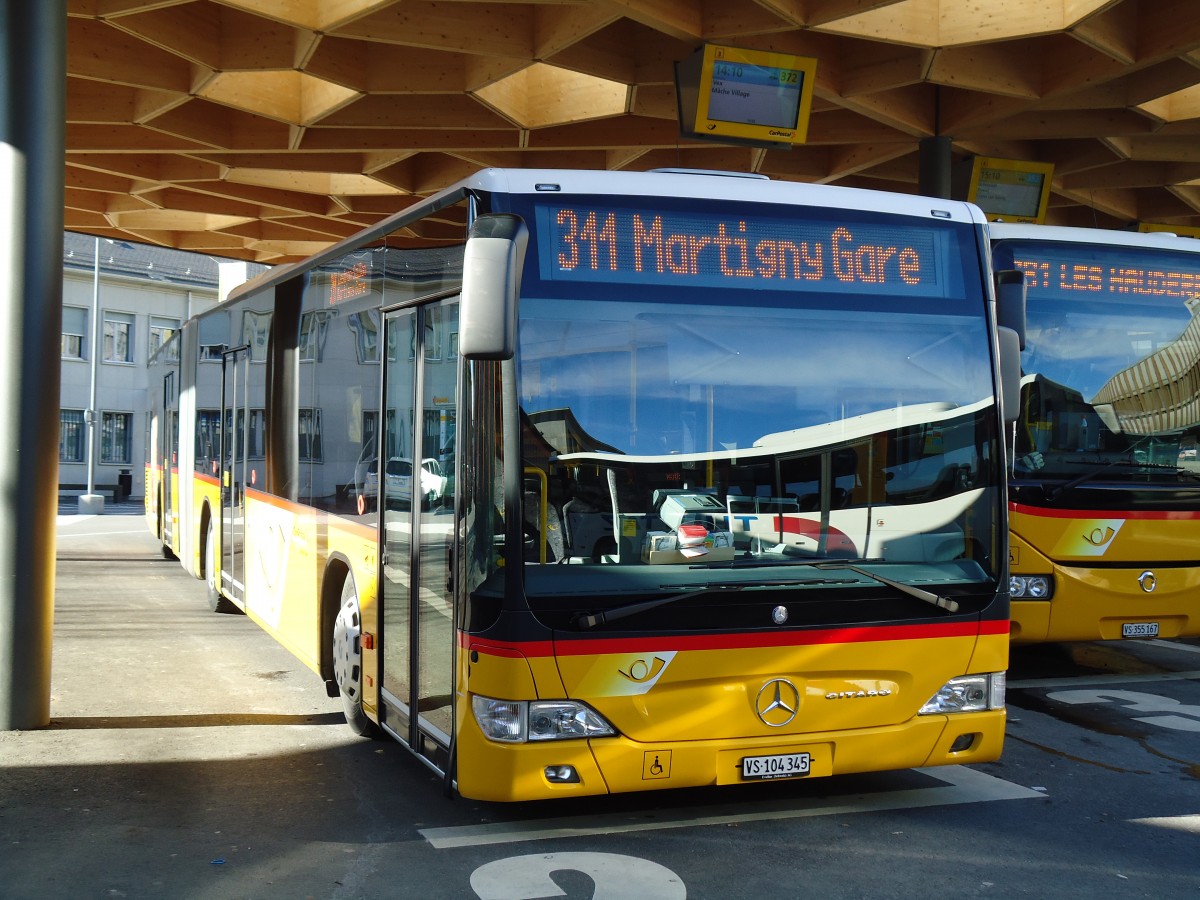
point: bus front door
(168, 460)
(235, 371)
(417, 498)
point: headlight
(1031, 587)
(517, 721)
(968, 693)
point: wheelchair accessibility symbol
(656, 764)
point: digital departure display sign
(1011, 190)
(597, 243)
(741, 96)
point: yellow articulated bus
(588, 482)
(1105, 491)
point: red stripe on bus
(755, 640)
(1147, 514)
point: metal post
(32, 126)
(91, 502)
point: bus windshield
(675, 422)
(1110, 368)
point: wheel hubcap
(347, 645)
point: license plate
(1139, 629)
(784, 765)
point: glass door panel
(235, 380)
(391, 474)
(435, 519)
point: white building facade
(115, 317)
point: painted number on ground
(1162, 711)
(616, 877)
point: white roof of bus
(1061, 234)
(712, 185)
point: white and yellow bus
(589, 482)
(1105, 493)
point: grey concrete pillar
(32, 126)
(933, 167)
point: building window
(256, 332)
(118, 337)
(365, 326)
(72, 436)
(208, 440)
(313, 326)
(310, 435)
(116, 429)
(74, 332)
(214, 337)
(161, 330)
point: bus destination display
(593, 243)
(1118, 276)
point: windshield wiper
(928, 596)
(584, 620)
(1058, 490)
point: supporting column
(32, 124)
(933, 175)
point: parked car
(398, 480)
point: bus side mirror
(1010, 373)
(492, 263)
(1010, 302)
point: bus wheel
(216, 601)
(347, 660)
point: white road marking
(962, 785)
(67, 534)
(616, 877)
(1172, 645)
(1189, 824)
(1103, 679)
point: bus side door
(417, 499)
(234, 451)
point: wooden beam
(657, 101)
(76, 177)
(102, 52)
(222, 127)
(680, 19)
(880, 67)
(731, 20)
(122, 139)
(1039, 125)
(1112, 31)
(844, 126)
(911, 110)
(987, 68)
(1166, 149)
(821, 12)
(414, 139)
(192, 32)
(557, 28)
(850, 160)
(603, 134)
(95, 102)
(1119, 203)
(611, 54)
(489, 30)
(445, 111)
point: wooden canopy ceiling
(268, 129)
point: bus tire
(346, 647)
(217, 601)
